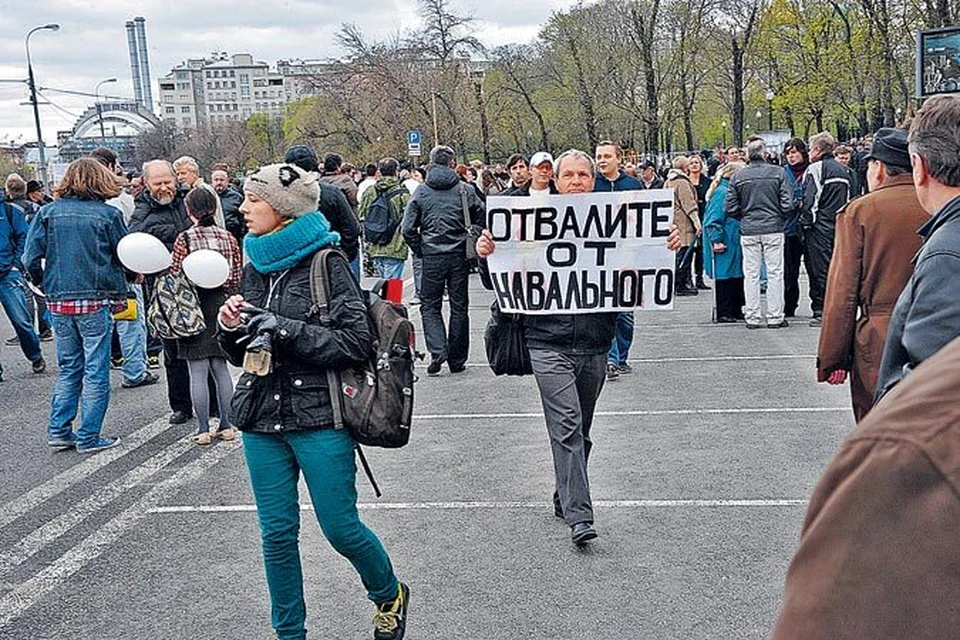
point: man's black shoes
(179, 417)
(433, 369)
(582, 533)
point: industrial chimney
(134, 64)
(145, 83)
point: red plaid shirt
(78, 307)
(214, 238)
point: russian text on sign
(582, 253)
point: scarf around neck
(287, 246)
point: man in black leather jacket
(434, 227)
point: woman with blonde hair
(722, 255)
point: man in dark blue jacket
(610, 177)
(927, 315)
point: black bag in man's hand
(506, 346)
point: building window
(184, 109)
(170, 109)
(207, 74)
(232, 73)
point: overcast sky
(91, 44)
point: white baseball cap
(540, 157)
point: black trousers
(178, 382)
(683, 268)
(819, 250)
(446, 271)
(792, 256)
(730, 298)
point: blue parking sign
(413, 137)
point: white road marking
(699, 359)
(470, 506)
(25, 595)
(66, 479)
(48, 533)
(650, 412)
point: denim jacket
(78, 239)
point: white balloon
(143, 253)
(206, 268)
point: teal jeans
(326, 458)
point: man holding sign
(570, 263)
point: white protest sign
(582, 253)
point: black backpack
(379, 223)
(374, 401)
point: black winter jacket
(230, 201)
(295, 396)
(335, 207)
(433, 222)
(927, 315)
(826, 190)
(165, 221)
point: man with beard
(160, 211)
(230, 201)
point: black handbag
(506, 346)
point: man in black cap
(876, 241)
(333, 203)
(35, 193)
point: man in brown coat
(686, 217)
(875, 244)
(878, 556)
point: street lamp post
(759, 119)
(769, 97)
(96, 92)
(33, 97)
(724, 125)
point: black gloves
(263, 322)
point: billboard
(938, 62)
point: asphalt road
(703, 460)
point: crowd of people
(739, 217)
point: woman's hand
(485, 244)
(719, 247)
(673, 240)
(230, 311)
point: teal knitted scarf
(288, 246)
